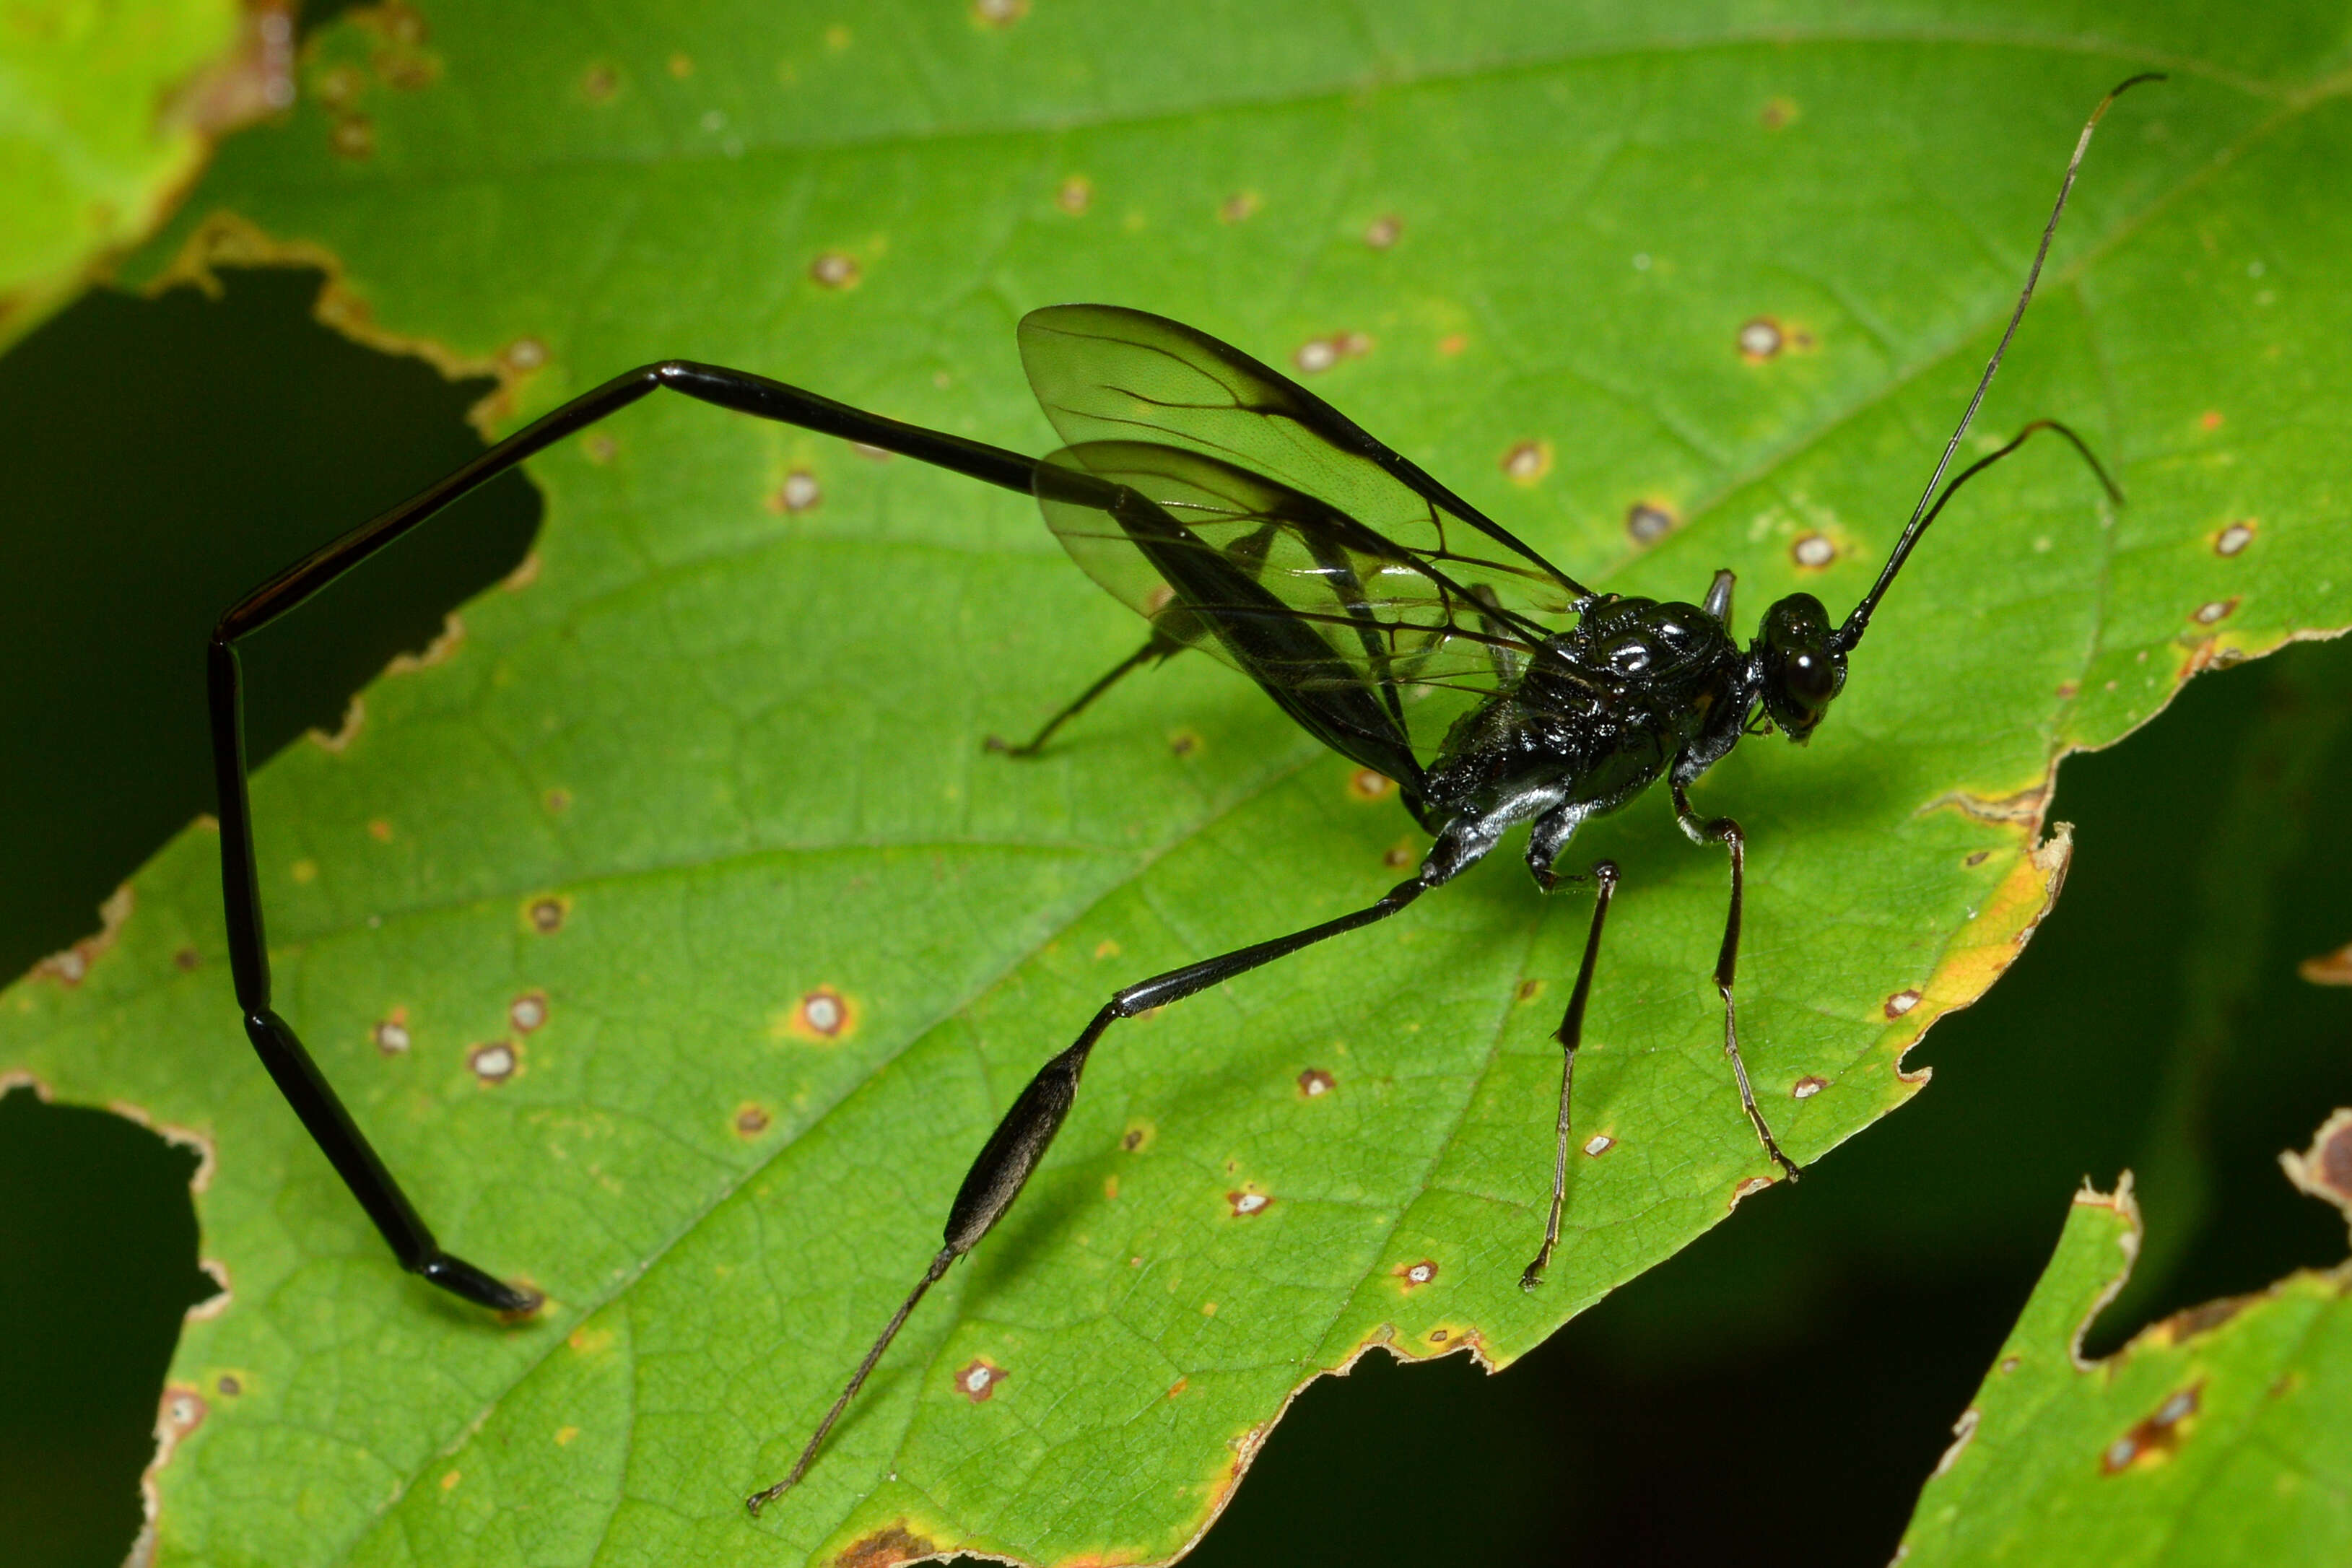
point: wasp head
(1798, 665)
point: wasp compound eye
(1802, 671)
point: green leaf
(718, 751)
(2215, 1435)
(108, 109)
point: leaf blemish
(494, 1061)
(979, 1380)
(527, 1012)
(1076, 195)
(546, 915)
(1137, 1137)
(823, 1015)
(2214, 610)
(1384, 231)
(1813, 551)
(1760, 339)
(1416, 1275)
(1806, 1087)
(1528, 462)
(1648, 521)
(2235, 537)
(2155, 1440)
(834, 270)
(1902, 1001)
(751, 1120)
(800, 492)
(1600, 1143)
(1366, 785)
(1747, 1188)
(1314, 1083)
(1318, 354)
(1246, 1202)
(391, 1033)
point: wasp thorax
(1802, 672)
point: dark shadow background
(1776, 1393)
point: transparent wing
(1362, 640)
(1105, 374)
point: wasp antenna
(759, 1500)
(1925, 511)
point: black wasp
(1243, 516)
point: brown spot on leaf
(1453, 343)
(229, 1386)
(2156, 1438)
(835, 269)
(978, 1380)
(800, 492)
(1529, 990)
(186, 959)
(1397, 857)
(1978, 858)
(1239, 207)
(2213, 611)
(1528, 462)
(1383, 232)
(2210, 420)
(599, 83)
(999, 13)
(1075, 195)
(391, 1033)
(1779, 112)
(527, 1012)
(1747, 1188)
(1318, 354)
(1366, 785)
(1806, 1087)
(823, 1015)
(1813, 551)
(1902, 1001)
(494, 1061)
(352, 136)
(1314, 1083)
(1600, 1143)
(1246, 1203)
(1760, 339)
(547, 914)
(1416, 1275)
(751, 1120)
(1137, 1137)
(1648, 521)
(1183, 742)
(2235, 537)
(884, 1550)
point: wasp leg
(1571, 1032)
(1156, 647)
(1020, 1138)
(297, 1074)
(1723, 830)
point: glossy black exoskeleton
(1243, 516)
